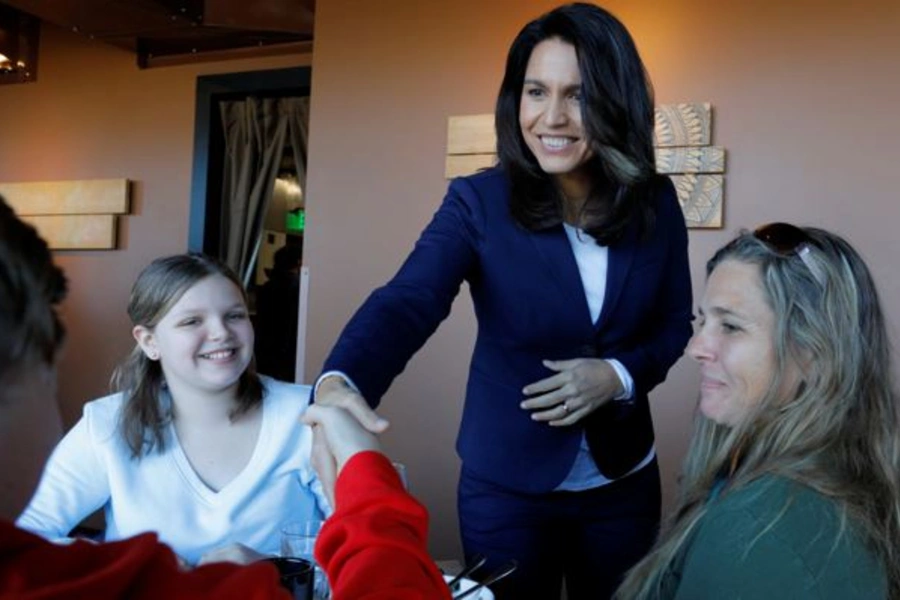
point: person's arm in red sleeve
(375, 543)
(139, 568)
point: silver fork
(476, 563)
(501, 572)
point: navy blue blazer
(530, 305)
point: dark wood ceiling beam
(105, 18)
(213, 40)
(272, 15)
(157, 28)
(168, 60)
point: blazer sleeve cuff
(625, 378)
(340, 375)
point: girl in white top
(195, 446)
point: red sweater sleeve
(138, 568)
(374, 546)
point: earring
(153, 355)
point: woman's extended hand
(337, 435)
(579, 387)
(334, 391)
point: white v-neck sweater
(91, 468)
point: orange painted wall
(805, 96)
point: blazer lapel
(620, 258)
(559, 263)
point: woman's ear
(146, 340)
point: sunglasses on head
(787, 240)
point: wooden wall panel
(700, 197)
(71, 215)
(466, 164)
(686, 124)
(87, 197)
(471, 134)
(76, 232)
(702, 159)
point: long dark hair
(160, 285)
(617, 112)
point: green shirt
(770, 540)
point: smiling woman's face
(550, 109)
(735, 343)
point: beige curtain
(256, 131)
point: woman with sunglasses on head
(790, 488)
(575, 253)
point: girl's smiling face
(205, 341)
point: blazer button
(587, 351)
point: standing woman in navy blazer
(575, 252)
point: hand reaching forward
(337, 436)
(579, 387)
(334, 391)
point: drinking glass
(401, 471)
(296, 576)
(298, 539)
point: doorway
(271, 261)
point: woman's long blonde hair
(839, 433)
